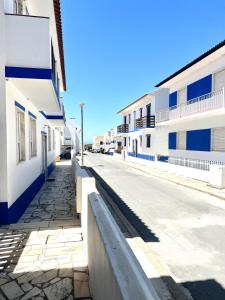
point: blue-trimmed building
(141, 137)
(32, 119)
(195, 113)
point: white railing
(194, 163)
(208, 102)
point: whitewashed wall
(20, 176)
(22, 49)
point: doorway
(44, 155)
(136, 147)
(148, 110)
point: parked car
(66, 153)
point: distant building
(138, 135)
(98, 143)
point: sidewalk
(178, 179)
(41, 257)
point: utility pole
(82, 133)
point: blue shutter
(173, 99)
(199, 140)
(172, 140)
(199, 88)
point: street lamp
(82, 134)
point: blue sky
(117, 50)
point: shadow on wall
(144, 232)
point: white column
(3, 125)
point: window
(218, 139)
(129, 118)
(181, 140)
(141, 109)
(148, 140)
(20, 135)
(125, 142)
(49, 139)
(140, 139)
(53, 136)
(129, 141)
(18, 7)
(32, 137)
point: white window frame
(20, 135)
(49, 139)
(32, 136)
(53, 139)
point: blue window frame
(199, 88)
(173, 100)
(199, 140)
(172, 140)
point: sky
(118, 50)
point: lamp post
(82, 133)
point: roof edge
(133, 102)
(201, 57)
(57, 11)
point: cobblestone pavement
(41, 257)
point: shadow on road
(144, 232)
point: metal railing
(123, 128)
(146, 122)
(194, 163)
(207, 102)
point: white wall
(28, 42)
(3, 136)
(21, 175)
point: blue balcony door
(125, 120)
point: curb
(170, 180)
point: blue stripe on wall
(199, 140)
(173, 99)
(15, 211)
(172, 140)
(17, 104)
(55, 117)
(31, 73)
(142, 156)
(199, 88)
(32, 115)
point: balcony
(30, 62)
(124, 128)
(56, 118)
(203, 104)
(145, 122)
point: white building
(141, 138)
(109, 141)
(31, 116)
(97, 142)
(195, 114)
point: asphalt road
(186, 228)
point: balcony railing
(211, 101)
(122, 128)
(146, 122)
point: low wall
(179, 170)
(114, 271)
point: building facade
(195, 114)
(32, 75)
(141, 137)
(98, 143)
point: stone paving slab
(42, 257)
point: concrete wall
(115, 272)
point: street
(183, 226)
